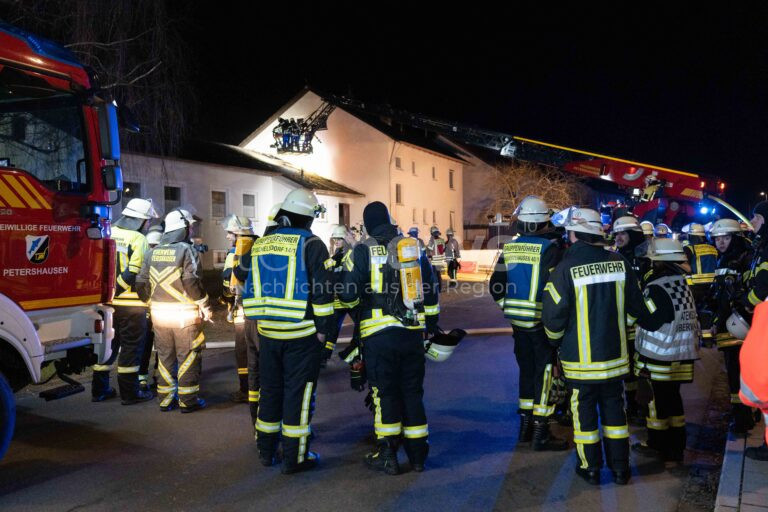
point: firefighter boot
(543, 440)
(526, 428)
(417, 454)
(130, 391)
(100, 389)
(743, 421)
(200, 404)
(590, 475)
(385, 459)
(757, 452)
(309, 462)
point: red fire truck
(59, 162)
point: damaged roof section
(234, 156)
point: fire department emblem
(37, 248)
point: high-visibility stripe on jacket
(757, 277)
(703, 261)
(527, 271)
(131, 247)
(754, 354)
(586, 304)
(226, 273)
(278, 289)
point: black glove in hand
(357, 375)
(369, 401)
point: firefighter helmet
(626, 223)
(694, 229)
(725, 227)
(154, 235)
(737, 326)
(302, 202)
(662, 231)
(238, 225)
(665, 249)
(533, 209)
(178, 219)
(449, 232)
(647, 227)
(434, 231)
(339, 232)
(584, 220)
(439, 347)
(138, 208)
(414, 232)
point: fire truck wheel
(7, 415)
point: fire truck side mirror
(108, 131)
(112, 178)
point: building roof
(234, 156)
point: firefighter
(414, 233)
(585, 308)
(436, 253)
(170, 278)
(289, 292)
(246, 337)
(754, 381)
(757, 278)
(340, 247)
(628, 235)
(702, 258)
(452, 255)
(154, 235)
(130, 318)
(732, 265)
(667, 344)
(392, 323)
(517, 285)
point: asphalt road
(75, 455)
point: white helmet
(272, 213)
(533, 209)
(440, 347)
(737, 326)
(154, 236)
(449, 232)
(302, 202)
(665, 249)
(178, 219)
(662, 230)
(584, 220)
(339, 232)
(434, 230)
(694, 229)
(725, 227)
(140, 209)
(626, 223)
(238, 225)
(647, 227)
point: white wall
(197, 180)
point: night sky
(677, 86)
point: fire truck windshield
(41, 132)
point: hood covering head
(377, 221)
(130, 223)
(177, 235)
(735, 250)
(762, 209)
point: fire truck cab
(59, 162)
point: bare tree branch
(131, 82)
(107, 45)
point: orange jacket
(754, 363)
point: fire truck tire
(7, 415)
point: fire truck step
(62, 391)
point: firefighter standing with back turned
(289, 292)
(170, 278)
(130, 311)
(517, 284)
(586, 304)
(396, 292)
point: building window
(131, 190)
(434, 174)
(219, 258)
(172, 197)
(218, 204)
(451, 220)
(413, 168)
(434, 217)
(398, 163)
(344, 214)
(413, 215)
(450, 179)
(249, 206)
(398, 193)
(424, 216)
